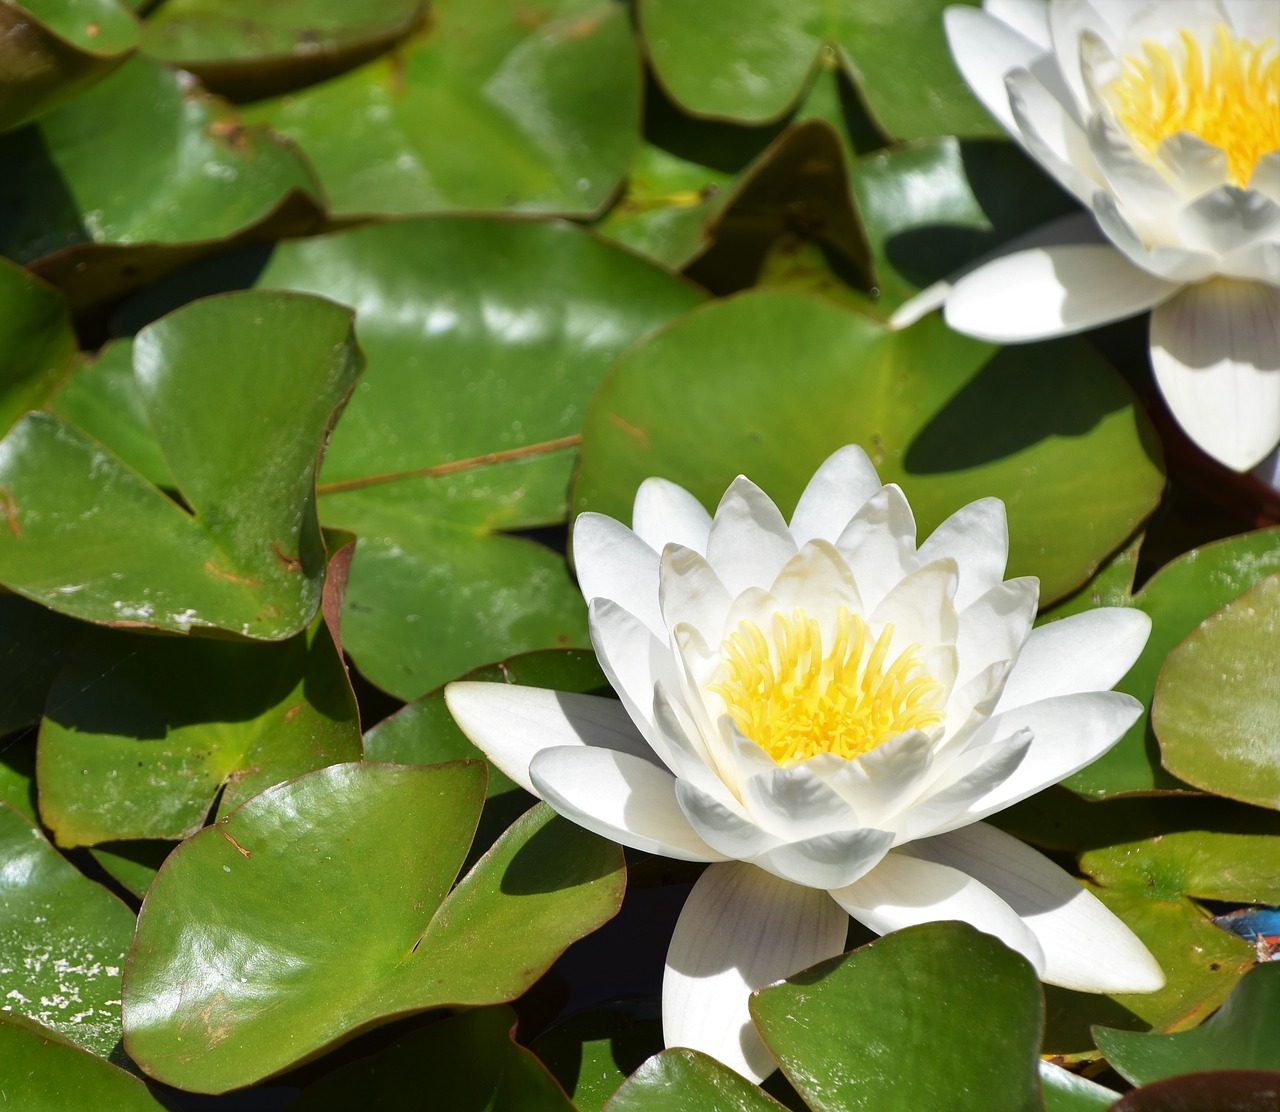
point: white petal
(1090, 651)
(1251, 19)
(920, 609)
(1258, 262)
(1228, 219)
(1195, 166)
(995, 627)
(621, 797)
(1131, 177)
(922, 304)
(665, 513)
(1069, 732)
(843, 482)
(634, 661)
(686, 751)
(1069, 22)
(1086, 947)
(692, 593)
(976, 536)
(721, 824)
(1052, 136)
(740, 930)
(511, 724)
(827, 860)
(985, 49)
(1175, 264)
(904, 890)
(794, 803)
(1051, 291)
(879, 544)
(1215, 349)
(749, 541)
(1266, 175)
(612, 562)
(1030, 18)
(817, 580)
(876, 783)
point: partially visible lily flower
(1162, 117)
(825, 712)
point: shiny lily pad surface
(384, 936)
(91, 538)
(51, 50)
(680, 1078)
(490, 107)
(37, 344)
(775, 382)
(1217, 703)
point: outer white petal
(985, 49)
(749, 541)
(666, 514)
(1086, 947)
(1051, 291)
(794, 803)
(1052, 136)
(511, 724)
(920, 610)
(994, 627)
(876, 783)
(827, 860)
(740, 930)
(1069, 732)
(1132, 178)
(621, 797)
(879, 544)
(1172, 262)
(613, 563)
(1228, 219)
(976, 536)
(1215, 349)
(1069, 21)
(721, 823)
(904, 890)
(838, 489)
(1258, 262)
(1030, 18)
(633, 660)
(1090, 651)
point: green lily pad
(75, 207)
(132, 865)
(491, 107)
(591, 1053)
(37, 345)
(180, 724)
(1217, 705)
(227, 985)
(474, 1063)
(45, 1074)
(1178, 598)
(692, 1082)
(865, 1030)
(52, 50)
(34, 642)
(931, 207)
(754, 72)
(1240, 1035)
(62, 941)
(705, 399)
(100, 397)
(249, 50)
(241, 391)
(485, 340)
(18, 777)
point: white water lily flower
(825, 712)
(1162, 117)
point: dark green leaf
(592, 1052)
(691, 1082)
(37, 345)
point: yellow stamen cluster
(1230, 99)
(795, 701)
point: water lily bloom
(825, 712)
(1162, 117)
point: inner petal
(1227, 95)
(796, 693)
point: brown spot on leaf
(289, 563)
(213, 568)
(9, 508)
(637, 434)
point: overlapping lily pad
(240, 392)
(52, 50)
(74, 206)
(183, 723)
(685, 1079)
(34, 642)
(768, 384)
(750, 60)
(491, 107)
(37, 345)
(1217, 704)
(1178, 598)
(62, 942)
(864, 1031)
(228, 984)
(247, 49)
(485, 339)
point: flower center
(795, 701)
(1231, 99)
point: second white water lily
(825, 712)
(1162, 117)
